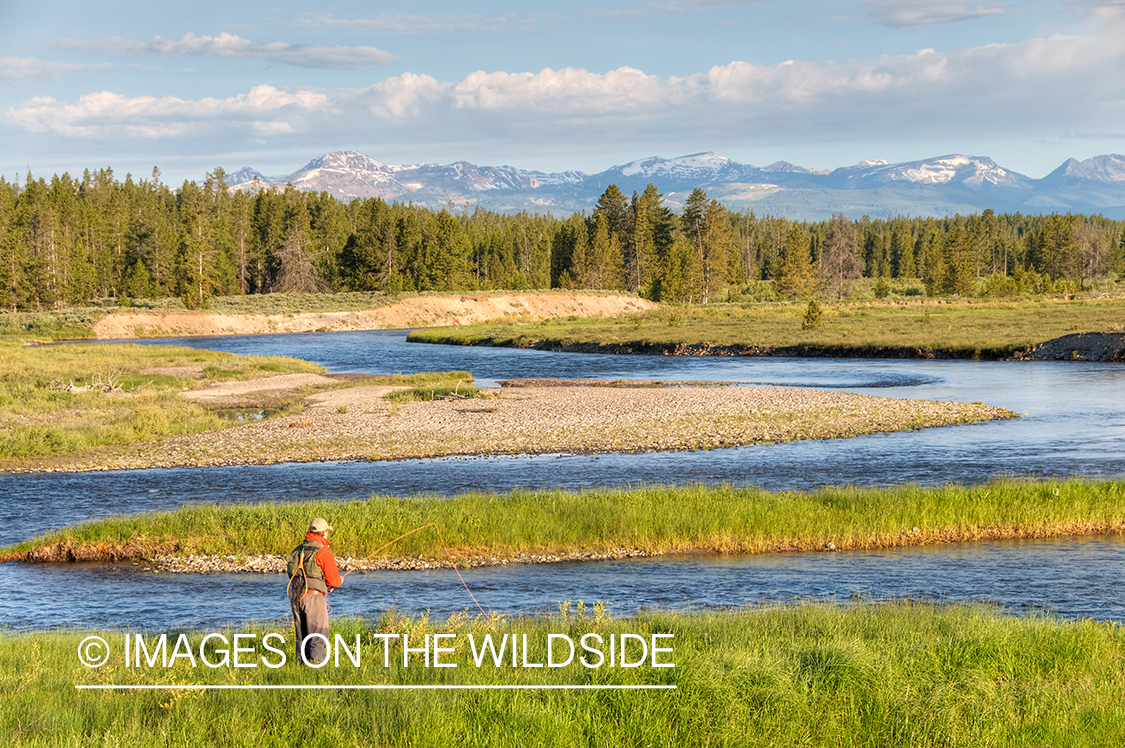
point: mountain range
(945, 185)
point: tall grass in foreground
(894, 674)
(656, 519)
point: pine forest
(67, 242)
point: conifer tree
(569, 248)
(137, 286)
(602, 268)
(840, 261)
(681, 276)
(902, 253)
(651, 226)
(959, 258)
(614, 206)
(13, 288)
(297, 266)
(797, 278)
(197, 249)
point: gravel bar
(358, 424)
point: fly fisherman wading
(312, 572)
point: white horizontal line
(387, 687)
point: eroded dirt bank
(419, 311)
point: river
(1073, 424)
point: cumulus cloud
(1044, 88)
(263, 109)
(902, 14)
(230, 46)
(401, 23)
(30, 68)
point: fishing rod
(444, 547)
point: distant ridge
(938, 186)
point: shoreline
(1090, 346)
(411, 312)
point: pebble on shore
(359, 424)
(264, 564)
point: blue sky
(585, 85)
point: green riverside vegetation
(657, 520)
(71, 399)
(988, 329)
(120, 394)
(872, 674)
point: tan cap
(319, 525)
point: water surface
(1069, 578)
(1073, 425)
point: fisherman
(312, 572)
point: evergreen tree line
(68, 241)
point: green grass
(427, 385)
(39, 420)
(69, 324)
(982, 328)
(423, 379)
(890, 674)
(420, 394)
(655, 519)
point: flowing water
(1070, 578)
(1073, 424)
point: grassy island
(487, 528)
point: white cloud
(30, 68)
(263, 109)
(901, 14)
(1043, 88)
(230, 46)
(566, 91)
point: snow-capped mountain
(246, 175)
(973, 172)
(1108, 168)
(786, 166)
(938, 186)
(696, 166)
(350, 174)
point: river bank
(417, 311)
(1039, 329)
(1093, 346)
